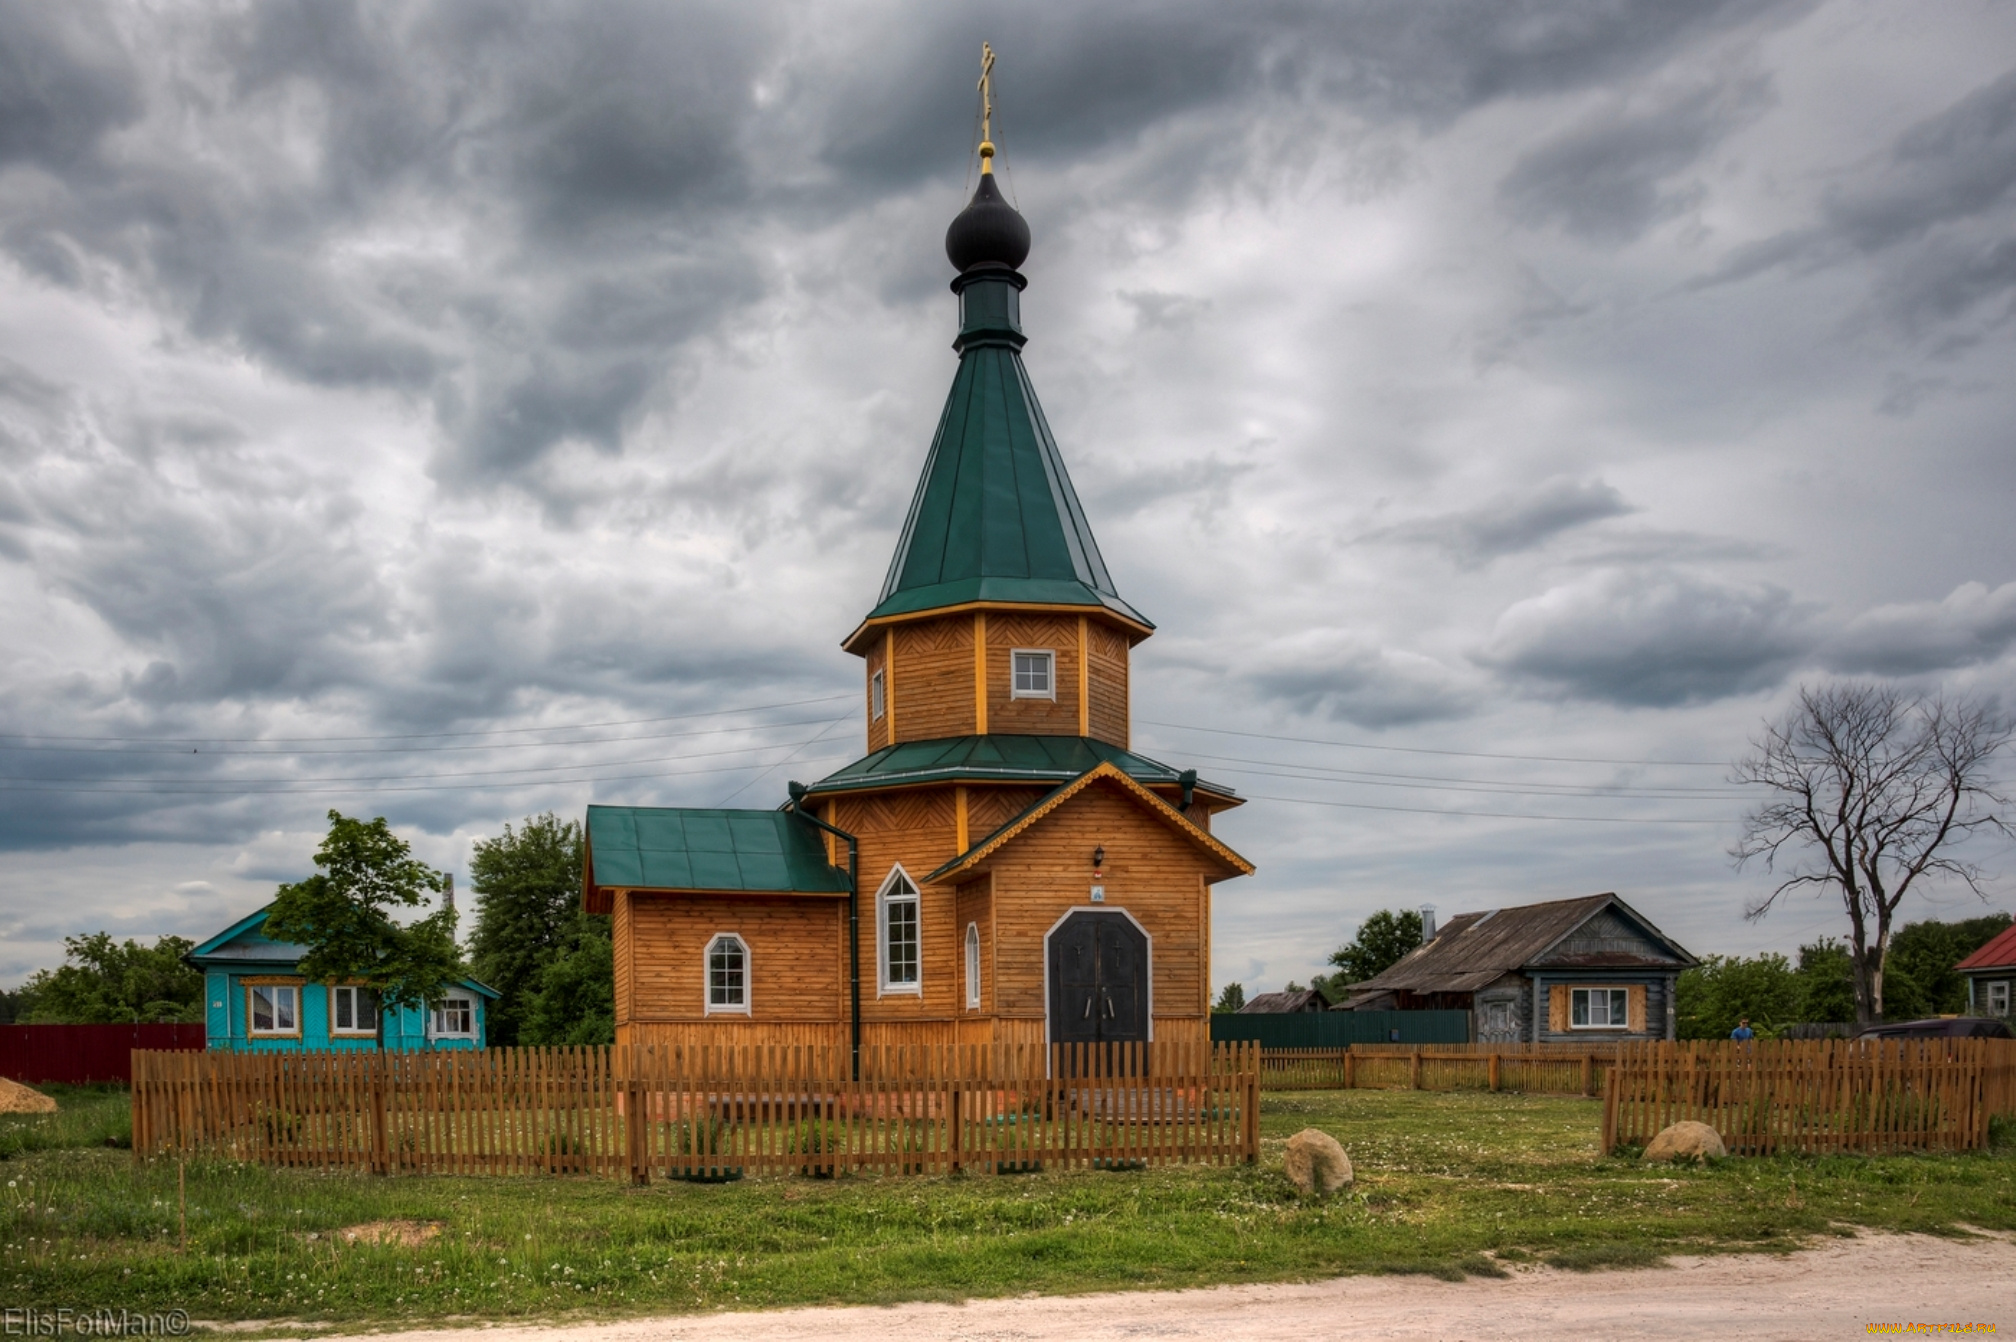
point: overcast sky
(390, 394)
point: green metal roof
(995, 517)
(678, 848)
(1004, 759)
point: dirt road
(1833, 1291)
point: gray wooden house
(1560, 972)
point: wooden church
(1000, 866)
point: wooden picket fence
(1815, 1096)
(706, 1111)
(1545, 1069)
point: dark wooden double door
(1098, 980)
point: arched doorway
(1098, 970)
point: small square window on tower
(875, 696)
(1035, 674)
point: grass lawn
(1447, 1184)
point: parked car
(1945, 1027)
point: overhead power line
(1488, 815)
(1424, 750)
(423, 736)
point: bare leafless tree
(1872, 789)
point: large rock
(1315, 1163)
(1686, 1140)
(16, 1098)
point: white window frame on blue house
(437, 1016)
(363, 1022)
(1583, 1003)
(275, 994)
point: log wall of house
(1649, 994)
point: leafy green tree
(1230, 998)
(104, 982)
(1383, 941)
(1826, 982)
(1724, 989)
(576, 998)
(1922, 956)
(343, 915)
(528, 891)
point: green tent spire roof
(995, 517)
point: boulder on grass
(16, 1098)
(1686, 1140)
(1315, 1163)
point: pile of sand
(16, 1098)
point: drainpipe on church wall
(797, 791)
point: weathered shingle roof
(1274, 1004)
(1474, 949)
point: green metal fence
(1335, 1029)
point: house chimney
(1427, 923)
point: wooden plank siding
(793, 973)
(952, 675)
(1150, 872)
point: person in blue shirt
(1743, 1030)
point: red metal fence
(81, 1053)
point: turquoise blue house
(254, 999)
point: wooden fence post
(958, 1135)
(1610, 1114)
(1415, 1078)
(1350, 1069)
(1588, 1074)
(380, 1150)
(636, 1134)
(1494, 1071)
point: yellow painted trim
(889, 684)
(959, 816)
(832, 844)
(980, 673)
(1084, 680)
(1168, 814)
(853, 641)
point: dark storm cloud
(1652, 638)
(1611, 177)
(64, 82)
(1971, 626)
(1934, 208)
(1338, 677)
(1515, 523)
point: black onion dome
(990, 230)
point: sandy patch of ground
(1833, 1290)
(405, 1234)
(16, 1098)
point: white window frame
(435, 1015)
(707, 977)
(972, 966)
(1049, 656)
(1610, 999)
(362, 1025)
(1998, 988)
(276, 1031)
(878, 696)
(897, 888)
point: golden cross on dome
(986, 107)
